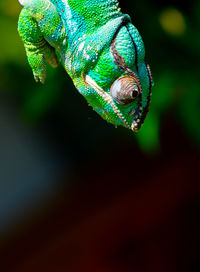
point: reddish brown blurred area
(124, 215)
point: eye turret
(124, 90)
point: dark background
(77, 194)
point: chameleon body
(100, 49)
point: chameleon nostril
(132, 112)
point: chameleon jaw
(109, 100)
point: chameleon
(100, 49)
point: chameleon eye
(124, 90)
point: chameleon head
(121, 81)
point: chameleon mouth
(146, 109)
(108, 98)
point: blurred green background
(47, 131)
(171, 34)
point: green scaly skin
(82, 32)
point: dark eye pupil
(135, 93)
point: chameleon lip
(108, 99)
(146, 109)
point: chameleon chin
(100, 49)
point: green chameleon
(99, 48)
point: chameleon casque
(100, 49)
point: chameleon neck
(85, 16)
(96, 12)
